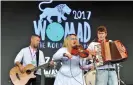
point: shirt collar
(101, 41)
(32, 50)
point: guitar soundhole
(17, 75)
(28, 71)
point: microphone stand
(118, 71)
(94, 62)
(42, 71)
(42, 77)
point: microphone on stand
(94, 61)
(93, 56)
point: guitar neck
(41, 66)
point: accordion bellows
(112, 51)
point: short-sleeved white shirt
(27, 55)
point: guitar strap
(37, 57)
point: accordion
(111, 51)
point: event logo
(58, 11)
(57, 22)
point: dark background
(17, 27)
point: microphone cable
(74, 77)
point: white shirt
(28, 55)
(92, 47)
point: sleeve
(41, 59)
(59, 54)
(19, 56)
(82, 61)
(91, 46)
(84, 65)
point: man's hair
(35, 35)
(102, 29)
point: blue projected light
(55, 31)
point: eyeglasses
(73, 38)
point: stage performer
(31, 55)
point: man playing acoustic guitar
(31, 55)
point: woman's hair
(67, 42)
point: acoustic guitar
(19, 78)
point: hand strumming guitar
(21, 67)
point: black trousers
(35, 81)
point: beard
(36, 46)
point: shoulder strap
(37, 57)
